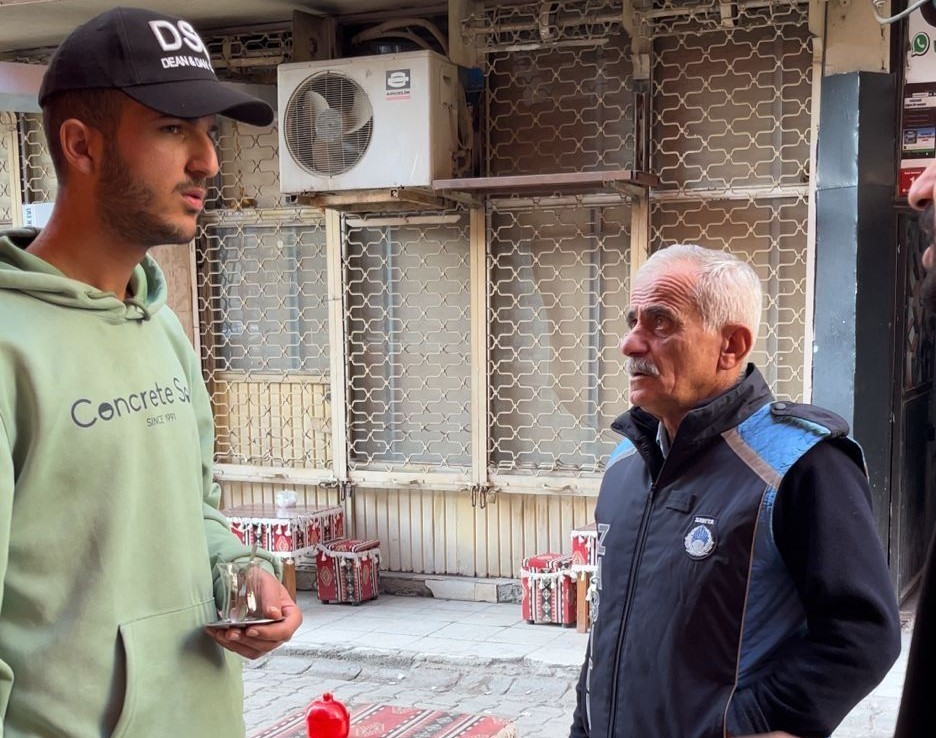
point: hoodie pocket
(178, 681)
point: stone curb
(513, 666)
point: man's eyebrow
(659, 311)
(652, 311)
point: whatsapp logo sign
(920, 44)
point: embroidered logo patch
(700, 540)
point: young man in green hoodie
(109, 522)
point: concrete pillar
(856, 265)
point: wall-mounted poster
(918, 129)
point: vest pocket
(744, 715)
(178, 681)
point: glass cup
(241, 601)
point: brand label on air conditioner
(398, 84)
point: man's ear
(81, 146)
(737, 342)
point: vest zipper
(628, 601)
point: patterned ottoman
(348, 570)
(585, 548)
(547, 583)
(584, 564)
(287, 531)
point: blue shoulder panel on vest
(780, 441)
(624, 449)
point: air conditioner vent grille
(328, 124)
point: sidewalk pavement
(462, 656)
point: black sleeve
(825, 531)
(917, 705)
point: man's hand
(256, 640)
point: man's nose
(204, 160)
(630, 344)
(921, 191)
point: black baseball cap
(158, 60)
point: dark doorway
(911, 505)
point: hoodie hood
(22, 272)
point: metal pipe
(608, 19)
(712, 8)
(730, 193)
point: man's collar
(709, 418)
(663, 439)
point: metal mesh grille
(262, 288)
(560, 98)
(265, 338)
(253, 54)
(731, 108)
(771, 235)
(7, 142)
(682, 18)
(39, 181)
(508, 27)
(558, 288)
(408, 327)
(560, 109)
(731, 136)
(249, 176)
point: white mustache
(638, 365)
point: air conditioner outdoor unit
(367, 122)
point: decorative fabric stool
(585, 547)
(348, 570)
(287, 531)
(547, 583)
(584, 564)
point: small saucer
(224, 624)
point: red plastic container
(327, 718)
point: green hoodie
(109, 522)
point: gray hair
(727, 289)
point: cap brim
(200, 97)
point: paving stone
(384, 675)
(484, 705)
(481, 683)
(435, 679)
(335, 669)
(542, 689)
(288, 664)
(384, 693)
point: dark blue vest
(693, 596)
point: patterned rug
(390, 721)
